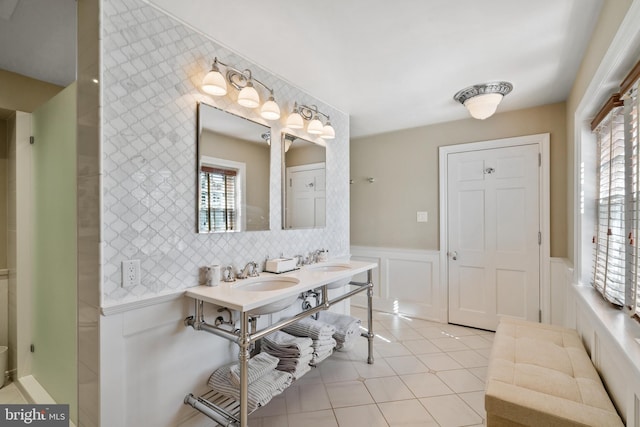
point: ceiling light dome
(482, 100)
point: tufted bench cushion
(541, 375)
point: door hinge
(32, 140)
(539, 159)
(539, 238)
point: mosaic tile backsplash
(152, 67)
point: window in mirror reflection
(233, 168)
(304, 187)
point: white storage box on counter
(280, 265)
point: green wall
(54, 249)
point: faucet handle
(228, 275)
(254, 270)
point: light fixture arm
(306, 111)
(239, 78)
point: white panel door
(306, 196)
(493, 225)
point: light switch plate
(423, 217)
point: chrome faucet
(227, 274)
(249, 270)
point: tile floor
(9, 394)
(425, 374)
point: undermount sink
(267, 284)
(331, 268)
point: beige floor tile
(392, 349)
(348, 393)
(449, 344)
(476, 341)
(475, 400)
(9, 394)
(335, 370)
(380, 368)
(469, 358)
(277, 406)
(356, 416)
(461, 380)
(406, 334)
(306, 398)
(407, 413)
(313, 419)
(486, 352)
(439, 362)
(406, 365)
(481, 373)
(450, 411)
(426, 385)
(432, 332)
(311, 377)
(460, 331)
(421, 346)
(388, 389)
(275, 421)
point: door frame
(543, 142)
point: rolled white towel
(259, 365)
(261, 391)
(309, 327)
(347, 327)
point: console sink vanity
(265, 294)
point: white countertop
(227, 295)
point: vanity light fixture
(482, 99)
(215, 83)
(312, 114)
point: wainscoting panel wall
(610, 337)
(406, 281)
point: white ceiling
(39, 39)
(389, 65)
(397, 64)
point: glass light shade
(248, 96)
(315, 127)
(270, 110)
(214, 83)
(287, 145)
(294, 121)
(483, 106)
(328, 132)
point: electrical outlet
(130, 273)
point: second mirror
(304, 183)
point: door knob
(453, 255)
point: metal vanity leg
(244, 368)
(370, 316)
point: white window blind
(632, 124)
(218, 199)
(610, 236)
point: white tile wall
(152, 66)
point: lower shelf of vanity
(217, 406)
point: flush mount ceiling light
(215, 83)
(482, 100)
(315, 127)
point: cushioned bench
(541, 375)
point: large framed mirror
(234, 157)
(304, 192)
